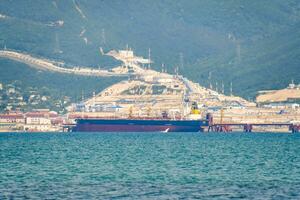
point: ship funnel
(194, 109)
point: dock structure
(68, 127)
(294, 128)
(248, 127)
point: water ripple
(149, 166)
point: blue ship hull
(139, 125)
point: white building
(11, 90)
(37, 121)
(37, 118)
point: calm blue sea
(149, 166)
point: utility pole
(238, 51)
(94, 98)
(176, 70)
(149, 57)
(209, 79)
(231, 89)
(181, 60)
(162, 67)
(222, 87)
(103, 38)
(82, 96)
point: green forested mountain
(253, 44)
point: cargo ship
(163, 124)
(139, 125)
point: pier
(68, 127)
(248, 127)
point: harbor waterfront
(149, 166)
(148, 94)
(149, 100)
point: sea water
(149, 166)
